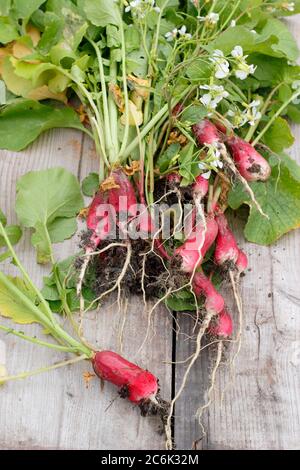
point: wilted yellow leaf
(11, 306)
(135, 116)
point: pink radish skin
(200, 187)
(97, 222)
(222, 326)
(125, 191)
(190, 251)
(206, 133)
(138, 384)
(242, 262)
(227, 249)
(203, 286)
(251, 165)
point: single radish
(136, 384)
(200, 187)
(194, 249)
(242, 262)
(227, 250)
(222, 325)
(98, 220)
(251, 165)
(122, 198)
(206, 133)
(214, 301)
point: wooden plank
(55, 410)
(262, 407)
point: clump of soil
(105, 269)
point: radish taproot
(227, 250)
(194, 249)
(214, 301)
(251, 165)
(222, 325)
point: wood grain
(55, 410)
(261, 408)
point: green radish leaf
(12, 306)
(182, 301)
(48, 201)
(90, 184)
(279, 198)
(279, 136)
(14, 234)
(102, 12)
(169, 157)
(194, 114)
(8, 30)
(5, 7)
(31, 119)
(3, 218)
(25, 8)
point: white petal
(241, 74)
(206, 99)
(206, 175)
(237, 52)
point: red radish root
(222, 326)
(251, 165)
(206, 133)
(227, 250)
(137, 385)
(203, 286)
(193, 251)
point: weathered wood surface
(261, 409)
(55, 410)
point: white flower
(237, 52)
(206, 175)
(211, 19)
(139, 8)
(171, 35)
(296, 85)
(214, 97)
(250, 115)
(182, 32)
(233, 24)
(288, 6)
(221, 64)
(243, 69)
(253, 31)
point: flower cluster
(210, 20)
(288, 6)
(250, 115)
(216, 93)
(213, 160)
(140, 8)
(221, 64)
(222, 67)
(243, 70)
(175, 33)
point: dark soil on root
(105, 269)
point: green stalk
(37, 341)
(113, 111)
(252, 129)
(25, 274)
(231, 15)
(146, 129)
(275, 116)
(46, 318)
(123, 150)
(24, 375)
(108, 137)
